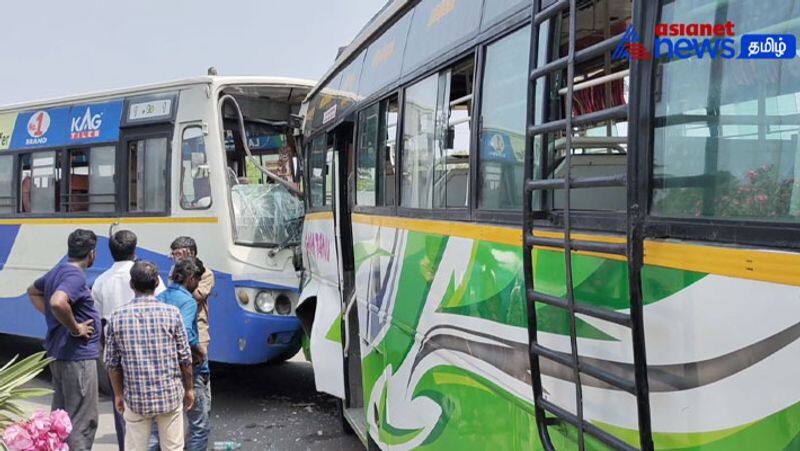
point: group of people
(155, 340)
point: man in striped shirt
(150, 364)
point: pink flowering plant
(42, 432)
(761, 193)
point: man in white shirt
(112, 289)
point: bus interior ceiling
(266, 112)
(600, 83)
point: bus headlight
(283, 305)
(265, 302)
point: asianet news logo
(705, 40)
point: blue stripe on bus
(20, 318)
(8, 234)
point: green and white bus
(571, 224)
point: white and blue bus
(198, 157)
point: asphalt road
(266, 407)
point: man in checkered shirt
(150, 364)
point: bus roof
(213, 81)
(384, 16)
(404, 40)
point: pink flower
(60, 424)
(761, 197)
(40, 422)
(17, 438)
(53, 442)
(40, 443)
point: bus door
(341, 140)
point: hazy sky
(56, 47)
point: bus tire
(294, 348)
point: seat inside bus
(600, 83)
(593, 157)
(454, 186)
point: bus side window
(329, 171)
(452, 163)
(436, 139)
(366, 170)
(40, 176)
(147, 182)
(195, 171)
(600, 148)
(419, 124)
(91, 180)
(317, 174)
(726, 135)
(6, 184)
(376, 154)
(502, 134)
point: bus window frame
(59, 158)
(487, 215)
(356, 154)
(128, 135)
(782, 235)
(380, 210)
(590, 220)
(309, 142)
(204, 132)
(65, 179)
(62, 156)
(465, 214)
(14, 186)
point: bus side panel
(326, 331)
(445, 365)
(448, 366)
(237, 336)
(723, 349)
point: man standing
(186, 275)
(182, 247)
(71, 317)
(150, 364)
(113, 289)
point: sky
(54, 47)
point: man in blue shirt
(186, 275)
(71, 317)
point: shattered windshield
(266, 214)
(264, 211)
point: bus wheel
(294, 348)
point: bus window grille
(547, 413)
